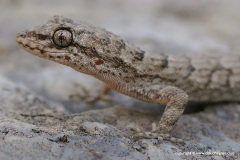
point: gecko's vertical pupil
(62, 38)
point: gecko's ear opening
(62, 37)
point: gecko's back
(205, 78)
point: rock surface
(45, 109)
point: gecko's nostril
(21, 35)
(20, 38)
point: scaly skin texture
(165, 79)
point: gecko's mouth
(28, 44)
(37, 48)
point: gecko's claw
(158, 136)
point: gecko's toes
(105, 98)
(160, 137)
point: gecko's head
(84, 47)
(53, 40)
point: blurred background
(176, 26)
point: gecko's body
(165, 79)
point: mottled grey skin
(165, 79)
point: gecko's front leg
(175, 100)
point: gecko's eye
(62, 38)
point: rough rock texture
(32, 128)
(45, 111)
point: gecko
(166, 79)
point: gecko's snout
(22, 41)
(19, 36)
